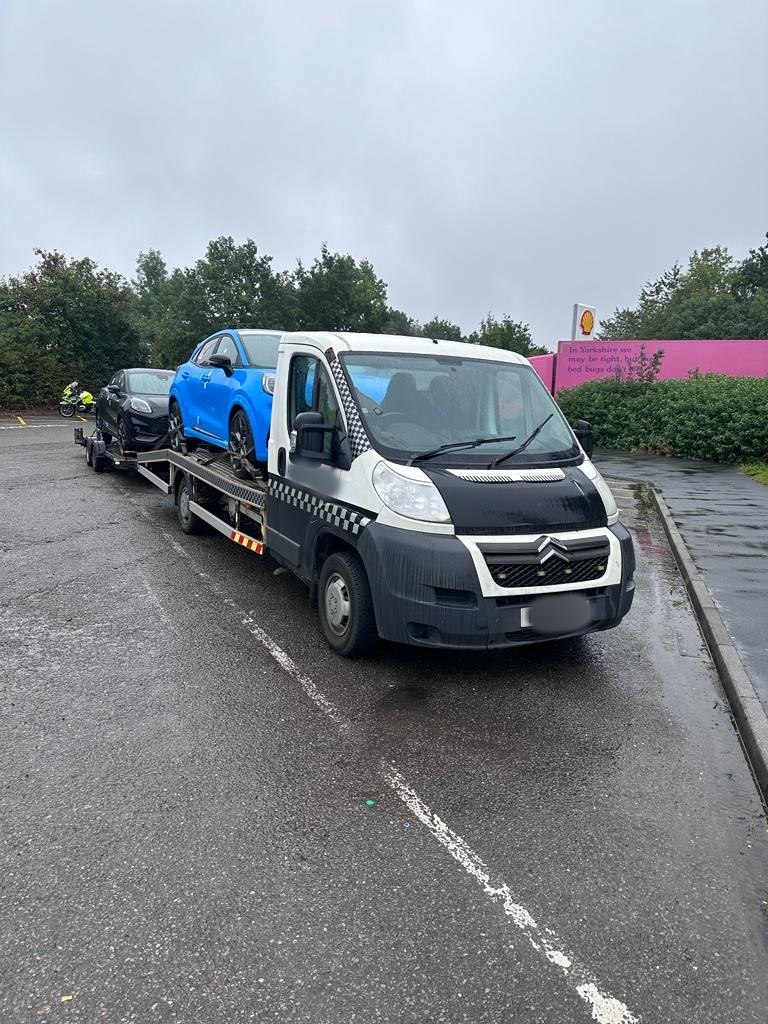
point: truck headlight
(602, 488)
(139, 405)
(416, 499)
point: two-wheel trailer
(203, 486)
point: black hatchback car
(133, 407)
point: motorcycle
(74, 400)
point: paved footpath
(723, 517)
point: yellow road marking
(22, 421)
(83, 419)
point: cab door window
(310, 390)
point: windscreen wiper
(524, 445)
(454, 446)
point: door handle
(185, 374)
(281, 461)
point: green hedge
(723, 419)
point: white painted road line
(605, 1008)
(30, 426)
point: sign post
(584, 321)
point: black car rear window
(150, 382)
(261, 349)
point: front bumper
(426, 592)
(146, 431)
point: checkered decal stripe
(337, 515)
(358, 439)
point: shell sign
(587, 322)
(584, 322)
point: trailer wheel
(88, 454)
(188, 521)
(345, 605)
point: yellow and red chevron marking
(247, 542)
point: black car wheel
(242, 456)
(123, 438)
(345, 605)
(178, 442)
(105, 434)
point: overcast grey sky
(510, 156)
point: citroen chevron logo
(552, 548)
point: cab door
(302, 487)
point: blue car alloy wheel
(222, 396)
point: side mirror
(583, 431)
(113, 389)
(308, 436)
(222, 362)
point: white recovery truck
(427, 491)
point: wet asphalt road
(185, 833)
(723, 517)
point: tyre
(105, 434)
(88, 454)
(178, 442)
(345, 606)
(123, 440)
(242, 456)
(66, 409)
(188, 521)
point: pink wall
(545, 367)
(580, 361)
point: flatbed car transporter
(430, 492)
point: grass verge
(758, 470)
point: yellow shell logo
(587, 321)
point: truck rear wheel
(188, 521)
(345, 605)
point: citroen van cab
(433, 492)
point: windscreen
(150, 382)
(261, 349)
(412, 404)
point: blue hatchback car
(223, 396)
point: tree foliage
(714, 297)
(60, 320)
(506, 333)
(69, 318)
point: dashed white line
(605, 1008)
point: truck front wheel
(345, 605)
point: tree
(338, 294)
(438, 328)
(507, 333)
(399, 322)
(714, 297)
(65, 319)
